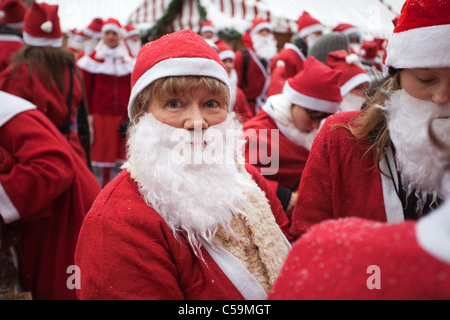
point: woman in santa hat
(45, 74)
(279, 137)
(186, 218)
(379, 163)
(46, 190)
(106, 73)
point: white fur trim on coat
(426, 47)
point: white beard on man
(196, 180)
(265, 46)
(419, 161)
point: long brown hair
(371, 122)
(50, 62)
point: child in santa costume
(289, 61)
(45, 74)
(106, 73)
(186, 219)
(285, 127)
(12, 13)
(252, 62)
(379, 163)
(46, 190)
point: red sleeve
(43, 169)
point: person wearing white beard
(186, 218)
(379, 163)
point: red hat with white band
(41, 26)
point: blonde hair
(173, 86)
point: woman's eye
(211, 104)
(425, 80)
(173, 104)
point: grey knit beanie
(327, 43)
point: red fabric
(332, 261)
(293, 63)
(108, 146)
(9, 47)
(241, 106)
(47, 97)
(52, 189)
(127, 251)
(292, 157)
(277, 79)
(256, 78)
(106, 94)
(338, 181)
(420, 14)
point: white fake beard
(351, 102)
(420, 162)
(89, 46)
(192, 198)
(265, 46)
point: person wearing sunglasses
(279, 137)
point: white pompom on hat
(41, 26)
(421, 36)
(182, 53)
(315, 87)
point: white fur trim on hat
(310, 29)
(426, 47)
(111, 26)
(41, 41)
(261, 26)
(308, 102)
(354, 82)
(227, 54)
(179, 67)
(208, 28)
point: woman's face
(306, 120)
(429, 84)
(111, 38)
(196, 106)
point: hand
(291, 205)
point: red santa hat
(182, 53)
(208, 26)
(112, 24)
(41, 26)
(94, 29)
(315, 87)
(346, 29)
(225, 52)
(307, 25)
(260, 24)
(369, 50)
(421, 36)
(352, 74)
(12, 13)
(130, 30)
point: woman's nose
(195, 119)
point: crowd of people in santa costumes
(44, 73)
(386, 174)
(106, 73)
(280, 136)
(185, 168)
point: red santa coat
(9, 44)
(339, 181)
(108, 89)
(354, 258)
(47, 98)
(241, 106)
(291, 156)
(47, 192)
(127, 251)
(258, 78)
